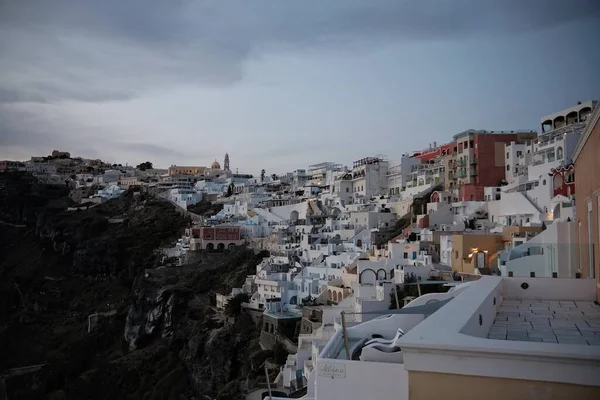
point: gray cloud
(155, 150)
(112, 50)
(87, 50)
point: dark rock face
(158, 336)
(151, 314)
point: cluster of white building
(488, 243)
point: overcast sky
(283, 84)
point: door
(480, 260)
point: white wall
(284, 212)
(356, 380)
(442, 216)
(511, 204)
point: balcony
(473, 161)
(452, 176)
(461, 163)
(462, 174)
(473, 172)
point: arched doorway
(221, 246)
(210, 246)
(294, 216)
(360, 276)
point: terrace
(563, 322)
(513, 336)
(516, 333)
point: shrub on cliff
(233, 308)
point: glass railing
(546, 259)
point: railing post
(346, 345)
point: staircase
(533, 203)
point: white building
(369, 177)
(527, 197)
(110, 192)
(321, 174)
(185, 197)
(40, 168)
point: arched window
(559, 153)
(558, 181)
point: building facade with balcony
(478, 160)
(369, 177)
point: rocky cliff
(153, 332)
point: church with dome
(215, 170)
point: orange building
(587, 197)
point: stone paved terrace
(565, 322)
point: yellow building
(127, 181)
(185, 170)
(470, 252)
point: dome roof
(215, 165)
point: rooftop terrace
(563, 322)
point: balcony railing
(473, 161)
(473, 172)
(462, 174)
(461, 163)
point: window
(405, 255)
(519, 153)
(508, 167)
(544, 182)
(347, 190)
(559, 153)
(507, 155)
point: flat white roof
(465, 336)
